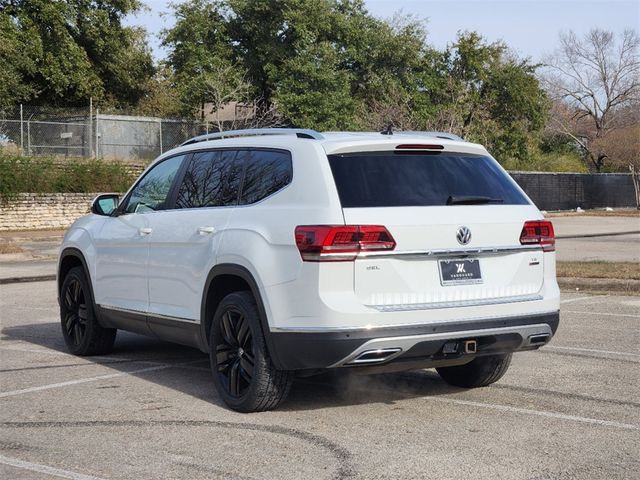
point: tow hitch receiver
(466, 346)
(470, 346)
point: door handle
(145, 231)
(206, 230)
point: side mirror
(105, 204)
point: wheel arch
(222, 280)
(72, 257)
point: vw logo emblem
(463, 235)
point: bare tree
(592, 80)
(225, 88)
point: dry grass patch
(622, 212)
(616, 270)
(8, 247)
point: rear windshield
(389, 179)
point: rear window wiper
(471, 200)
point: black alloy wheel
(243, 373)
(81, 330)
(74, 307)
(235, 357)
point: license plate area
(460, 272)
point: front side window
(152, 192)
(211, 180)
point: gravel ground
(149, 410)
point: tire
(80, 328)
(480, 372)
(242, 371)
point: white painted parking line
(93, 379)
(571, 300)
(57, 352)
(46, 469)
(604, 313)
(539, 413)
(525, 411)
(590, 350)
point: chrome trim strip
(147, 314)
(454, 252)
(382, 327)
(447, 253)
(405, 343)
(461, 303)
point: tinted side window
(150, 194)
(266, 173)
(211, 180)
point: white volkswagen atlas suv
(285, 252)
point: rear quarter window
(229, 177)
(390, 179)
(267, 171)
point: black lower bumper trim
(303, 351)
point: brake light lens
(539, 232)
(340, 243)
(419, 146)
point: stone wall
(549, 191)
(39, 211)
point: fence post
(97, 133)
(29, 137)
(160, 129)
(90, 127)
(21, 131)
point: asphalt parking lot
(149, 410)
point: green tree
(487, 95)
(63, 52)
(321, 62)
(199, 48)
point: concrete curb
(590, 235)
(34, 278)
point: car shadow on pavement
(136, 352)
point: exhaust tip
(375, 356)
(539, 339)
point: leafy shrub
(47, 175)
(548, 162)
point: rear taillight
(341, 243)
(539, 232)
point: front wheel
(479, 372)
(81, 331)
(243, 373)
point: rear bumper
(410, 346)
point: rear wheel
(479, 372)
(243, 373)
(81, 331)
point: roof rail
(443, 135)
(254, 132)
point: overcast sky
(529, 27)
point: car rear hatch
(457, 222)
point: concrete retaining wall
(31, 211)
(566, 191)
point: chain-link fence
(89, 133)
